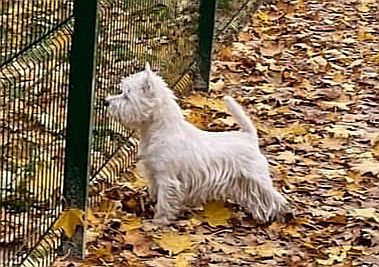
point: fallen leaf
(244, 36)
(271, 51)
(130, 223)
(226, 53)
(365, 213)
(287, 156)
(201, 102)
(174, 242)
(141, 243)
(339, 131)
(69, 221)
(266, 250)
(363, 7)
(228, 121)
(335, 105)
(105, 253)
(375, 149)
(367, 166)
(196, 118)
(184, 259)
(217, 214)
(216, 86)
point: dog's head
(142, 95)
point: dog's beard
(131, 113)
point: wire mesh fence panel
(34, 45)
(229, 10)
(131, 33)
(229, 17)
(36, 41)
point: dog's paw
(286, 215)
(162, 221)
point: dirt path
(307, 71)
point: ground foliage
(307, 71)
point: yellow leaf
(293, 130)
(69, 220)
(366, 213)
(130, 223)
(225, 53)
(91, 217)
(279, 110)
(196, 118)
(216, 86)
(335, 104)
(174, 242)
(363, 7)
(229, 121)
(262, 15)
(364, 35)
(318, 62)
(375, 59)
(109, 206)
(135, 179)
(287, 156)
(184, 259)
(217, 214)
(200, 101)
(339, 131)
(375, 149)
(105, 253)
(367, 166)
(335, 254)
(293, 231)
(267, 88)
(326, 262)
(268, 249)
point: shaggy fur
(186, 166)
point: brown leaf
(141, 243)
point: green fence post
(79, 123)
(206, 35)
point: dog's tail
(240, 116)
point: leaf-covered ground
(307, 71)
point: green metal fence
(58, 60)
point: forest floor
(307, 72)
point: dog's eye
(125, 96)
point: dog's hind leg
(261, 200)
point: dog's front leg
(152, 184)
(169, 202)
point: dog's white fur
(186, 166)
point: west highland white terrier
(186, 166)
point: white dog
(186, 166)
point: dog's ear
(147, 66)
(148, 87)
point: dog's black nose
(106, 103)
